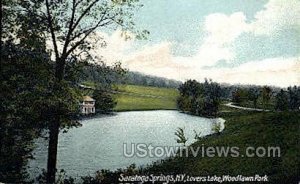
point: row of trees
(272, 98)
(148, 80)
(252, 94)
(39, 80)
(288, 99)
(93, 74)
(204, 98)
(199, 98)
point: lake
(99, 143)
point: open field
(132, 97)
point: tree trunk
(52, 149)
(1, 68)
(54, 126)
(1, 30)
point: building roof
(88, 99)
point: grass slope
(247, 129)
(133, 97)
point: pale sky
(232, 41)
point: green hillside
(133, 97)
(244, 129)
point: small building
(88, 105)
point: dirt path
(230, 104)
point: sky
(232, 41)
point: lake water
(99, 143)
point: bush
(104, 101)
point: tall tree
(25, 74)
(71, 25)
(1, 9)
(266, 95)
(253, 94)
(281, 102)
(294, 97)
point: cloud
(222, 30)
(225, 29)
(158, 55)
(115, 48)
(277, 16)
(221, 33)
(273, 71)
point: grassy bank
(132, 97)
(245, 129)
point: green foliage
(181, 138)
(197, 136)
(245, 129)
(62, 178)
(37, 93)
(199, 98)
(239, 95)
(25, 80)
(136, 78)
(104, 101)
(216, 128)
(281, 101)
(294, 97)
(266, 95)
(74, 25)
(102, 75)
(253, 95)
(25, 76)
(27, 106)
(184, 103)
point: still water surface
(98, 144)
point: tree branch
(86, 35)
(88, 29)
(52, 32)
(87, 32)
(84, 13)
(70, 31)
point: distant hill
(104, 75)
(137, 78)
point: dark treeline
(288, 99)
(137, 78)
(102, 74)
(267, 97)
(204, 98)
